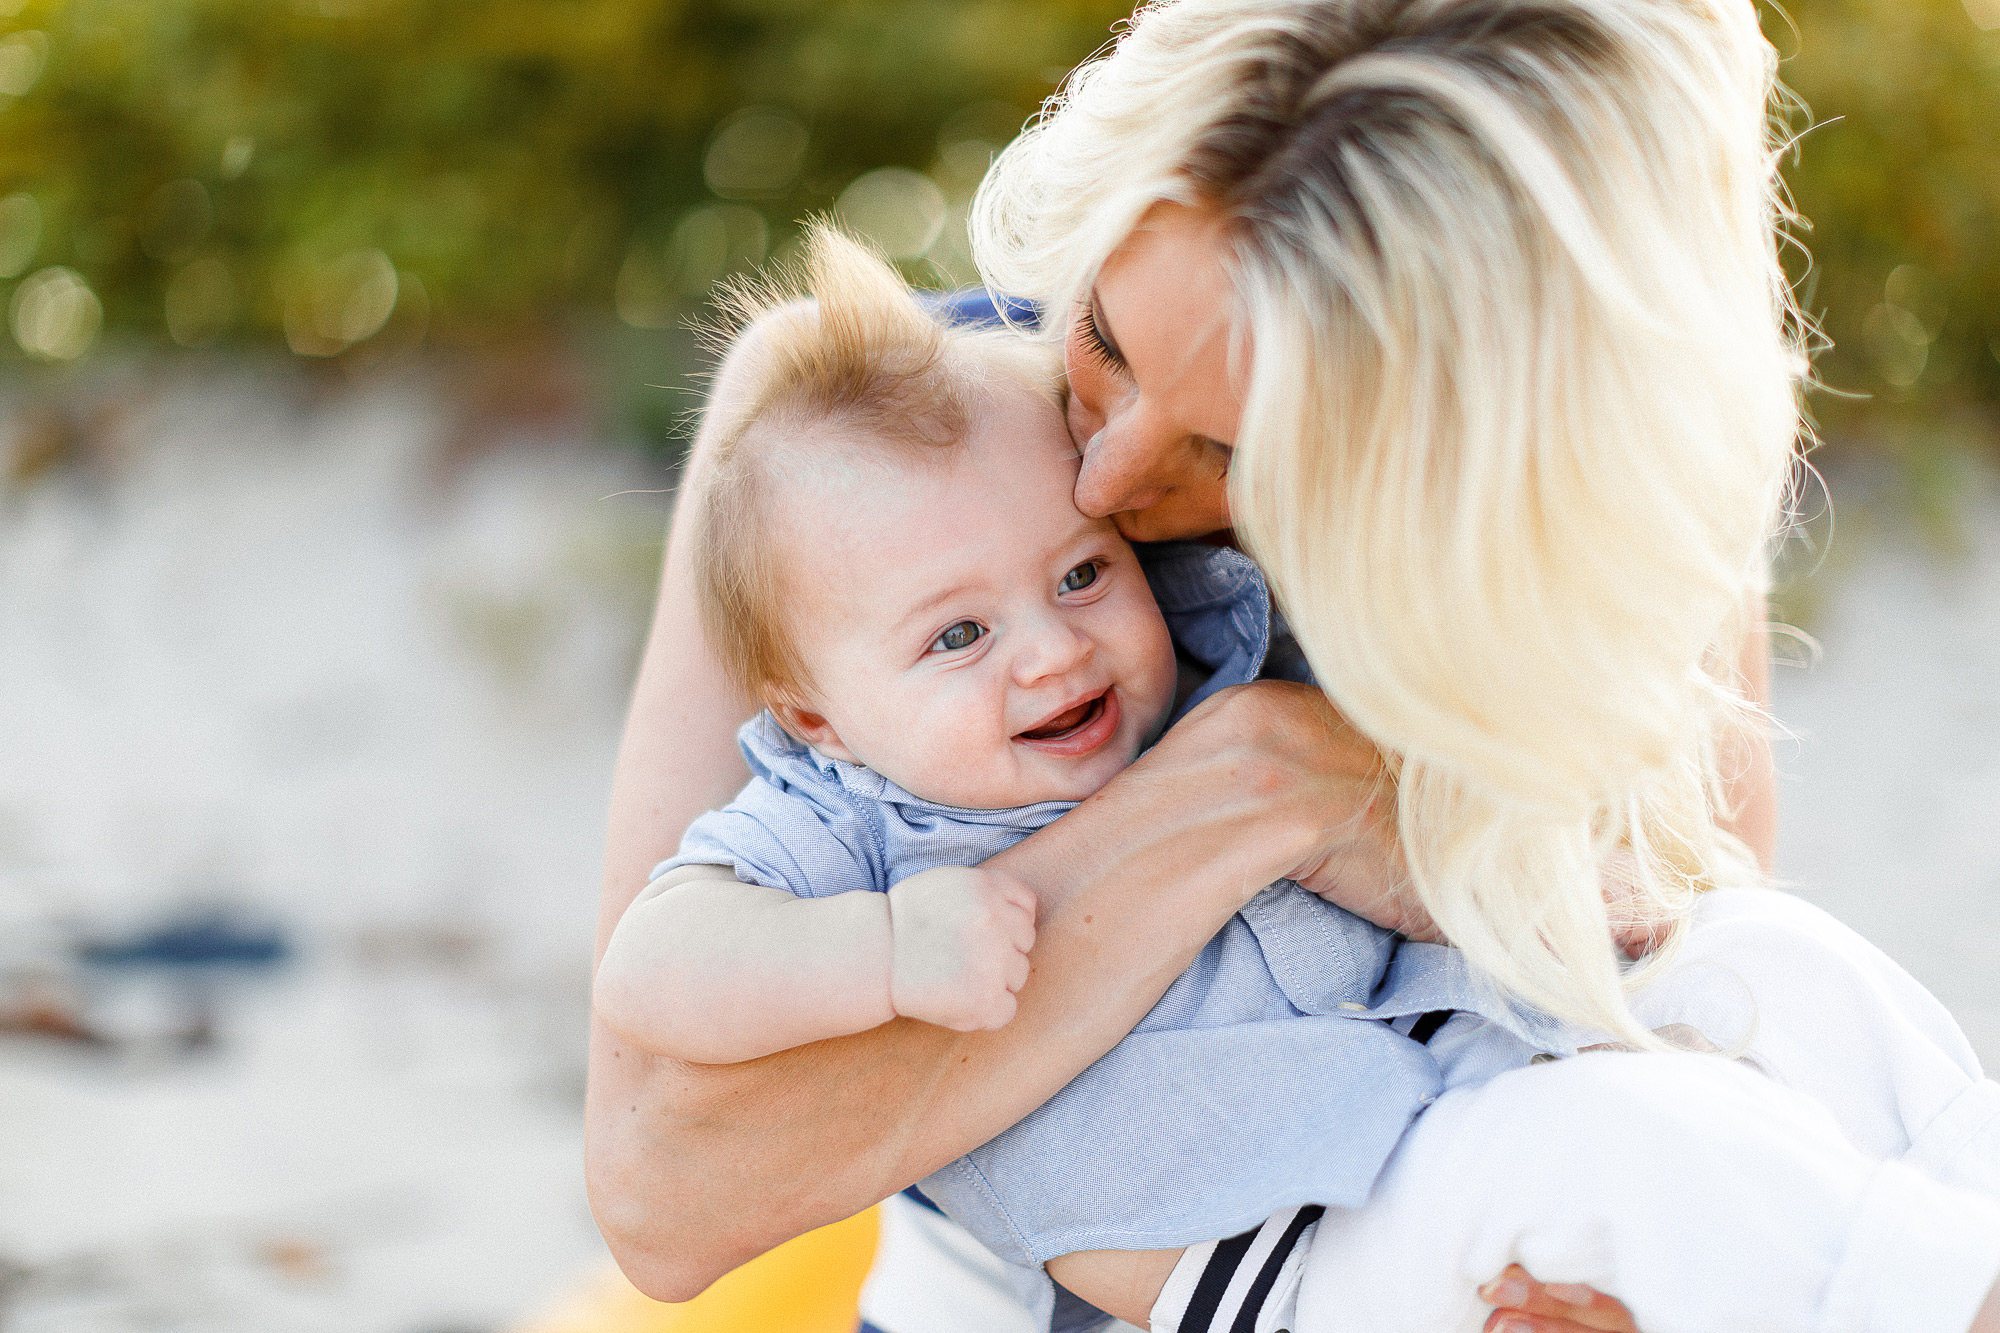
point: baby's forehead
(823, 464)
(858, 512)
(1015, 429)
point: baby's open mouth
(1062, 724)
(1081, 729)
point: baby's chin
(1088, 780)
(1040, 778)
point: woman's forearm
(694, 1169)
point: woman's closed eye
(1096, 341)
(960, 636)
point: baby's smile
(1077, 730)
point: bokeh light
(757, 153)
(333, 306)
(22, 55)
(659, 282)
(55, 315)
(901, 211)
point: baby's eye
(1081, 577)
(962, 635)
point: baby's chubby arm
(707, 969)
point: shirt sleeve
(809, 848)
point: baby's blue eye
(962, 635)
(1081, 577)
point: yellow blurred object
(808, 1285)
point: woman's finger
(1528, 1306)
(1514, 1321)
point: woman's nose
(1120, 468)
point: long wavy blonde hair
(1522, 377)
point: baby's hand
(959, 946)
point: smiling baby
(892, 565)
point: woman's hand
(1313, 759)
(1351, 858)
(1523, 1305)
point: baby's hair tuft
(836, 360)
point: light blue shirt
(1265, 1077)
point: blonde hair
(1522, 372)
(847, 365)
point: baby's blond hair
(840, 361)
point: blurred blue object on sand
(211, 937)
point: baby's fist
(959, 939)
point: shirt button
(1357, 1008)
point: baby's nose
(1053, 648)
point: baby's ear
(801, 721)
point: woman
(1206, 218)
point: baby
(892, 562)
(951, 656)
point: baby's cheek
(1152, 651)
(963, 740)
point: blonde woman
(1466, 317)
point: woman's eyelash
(1096, 343)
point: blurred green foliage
(333, 170)
(1899, 176)
(349, 176)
